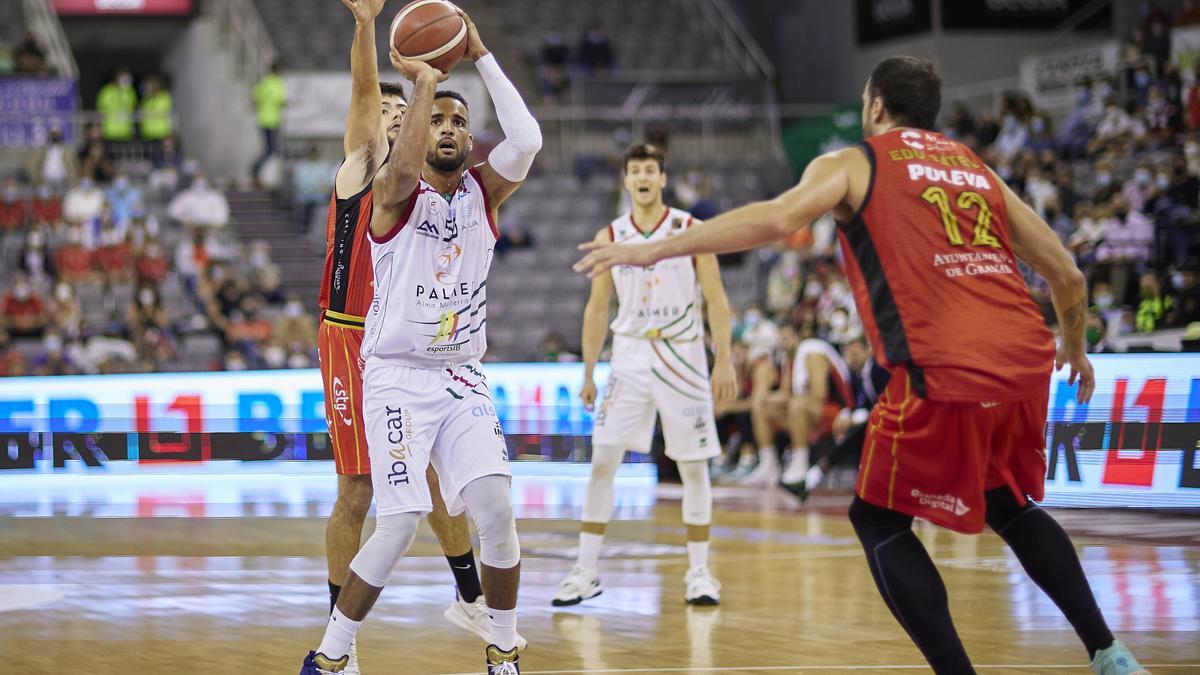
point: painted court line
(885, 666)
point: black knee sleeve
(1002, 508)
(874, 524)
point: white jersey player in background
(658, 365)
(426, 400)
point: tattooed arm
(1035, 243)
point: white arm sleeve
(522, 135)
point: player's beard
(446, 164)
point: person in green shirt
(270, 95)
(156, 110)
(1154, 305)
(116, 103)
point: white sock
(813, 478)
(697, 553)
(504, 628)
(338, 634)
(768, 456)
(589, 549)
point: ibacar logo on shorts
(400, 434)
(946, 502)
(341, 401)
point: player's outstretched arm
(595, 328)
(824, 185)
(365, 140)
(397, 181)
(1035, 243)
(509, 162)
(720, 325)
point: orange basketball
(430, 31)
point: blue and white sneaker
(500, 662)
(319, 664)
(1117, 660)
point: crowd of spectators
(557, 61)
(26, 59)
(115, 266)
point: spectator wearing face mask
(299, 356)
(1097, 334)
(13, 213)
(54, 163)
(125, 200)
(24, 311)
(46, 205)
(12, 362)
(73, 258)
(1154, 306)
(36, 261)
(116, 104)
(146, 312)
(296, 324)
(84, 202)
(1187, 287)
(1138, 188)
(66, 312)
(1128, 242)
(54, 360)
(200, 204)
(150, 265)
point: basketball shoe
(500, 662)
(1117, 660)
(352, 664)
(581, 583)
(700, 587)
(766, 473)
(473, 617)
(319, 664)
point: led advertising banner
(1134, 445)
(123, 7)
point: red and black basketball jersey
(929, 257)
(346, 287)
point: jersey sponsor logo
(400, 435)
(974, 263)
(446, 271)
(923, 173)
(484, 410)
(448, 328)
(428, 229)
(924, 140)
(946, 502)
(341, 401)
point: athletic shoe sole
(574, 601)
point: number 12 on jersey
(937, 196)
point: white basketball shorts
(670, 378)
(415, 416)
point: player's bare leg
(583, 581)
(343, 533)
(489, 503)
(700, 586)
(468, 610)
(767, 415)
(803, 415)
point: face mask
(53, 344)
(63, 292)
(297, 361)
(1093, 336)
(1038, 125)
(153, 251)
(44, 192)
(838, 321)
(1163, 181)
(1142, 177)
(218, 274)
(10, 194)
(1142, 80)
(85, 184)
(121, 183)
(1177, 280)
(1103, 179)
(235, 364)
(125, 80)
(22, 292)
(36, 240)
(146, 297)
(259, 259)
(294, 309)
(200, 184)
(752, 317)
(1104, 300)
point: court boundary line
(882, 666)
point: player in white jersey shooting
(658, 365)
(426, 399)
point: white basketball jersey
(837, 365)
(661, 301)
(429, 308)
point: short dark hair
(447, 93)
(640, 151)
(910, 88)
(392, 89)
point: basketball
(430, 31)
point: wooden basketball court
(247, 595)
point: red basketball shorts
(339, 341)
(935, 460)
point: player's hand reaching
(475, 48)
(364, 11)
(412, 69)
(1081, 369)
(606, 255)
(588, 394)
(724, 381)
